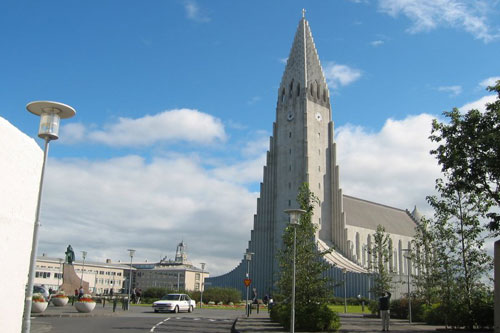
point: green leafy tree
(469, 152)
(311, 287)
(459, 252)
(380, 256)
(425, 261)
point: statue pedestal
(71, 281)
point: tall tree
(380, 256)
(425, 261)
(311, 287)
(469, 152)
(461, 259)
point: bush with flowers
(60, 294)
(86, 298)
(38, 298)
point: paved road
(140, 320)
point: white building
(178, 274)
(102, 277)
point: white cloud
(72, 132)
(453, 90)
(489, 82)
(340, 75)
(107, 206)
(254, 99)
(194, 12)
(283, 60)
(392, 166)
(479, 104)
(427, 15)
(376, 43)
(168, 126)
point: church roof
(367, 214)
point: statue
(70, 255)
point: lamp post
(201, 283)
(294, 222)
(131, 253)
(84, 255)
(408, 257)
(248, 258)
(345, 289)
(50, 115)
(59, 275)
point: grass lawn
(350, 309)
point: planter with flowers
(39, 304)
(59, 299)
(85, 303)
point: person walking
(384, 306)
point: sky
(176, 99)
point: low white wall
(20, 168)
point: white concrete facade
(20, 171)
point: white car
(175, 303)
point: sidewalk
(70, 311)
(350, 323)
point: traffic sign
(247, 282)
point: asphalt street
(140, 320)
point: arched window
(312, 89)
(319, 92)
(283, 95)
(291, 88)
(298, 89)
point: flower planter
(38, 307)
(59, 301)
(84, 306)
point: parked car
(42, 290)
(175, 303)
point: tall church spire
(303, 69)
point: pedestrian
(80, 292)
(384, 306)
(138, 294)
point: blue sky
(175, 103)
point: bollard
(103, 301)
(114, 304)
(257, 307)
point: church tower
(302, 149)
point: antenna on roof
(303, 13)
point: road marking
(161, 322)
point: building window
(290, 134)
(290, 168)
(289, 203)
(319, 185)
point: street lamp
(201, 283)
(59, 275)
(408, 271)
(294, 222)
(84, 255)
(50, 114)
(248, 258)
(131, 253)
(344, 270)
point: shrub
(311, 317)
(224, 295)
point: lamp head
(50, 115)
(295, 215)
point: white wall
(20, 168)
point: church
(302, 149)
